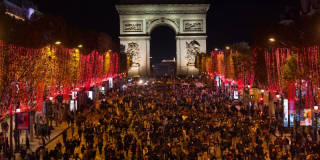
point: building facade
(139, 18)
(21, 9)
(304, 8)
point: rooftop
(162, 1)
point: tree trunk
(31, 125)
(11, 128)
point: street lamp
(272, 39)
(277, 95)
(227, 47)
(216, 49)
(80, 46)
(248, 85)
(58, 42)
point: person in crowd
(183, 124)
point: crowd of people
(181, 124)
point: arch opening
(162, 47)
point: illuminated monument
(138, 18)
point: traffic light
(261, 100)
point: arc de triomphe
(138, 20)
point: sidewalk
(58, 137)
(35, 144)
(56, 134)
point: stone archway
(187, 20)
(154, 23)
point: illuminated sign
(285, 112)
(193, 25)
(74, 95)
(111, 83)
(71, 105)
(22, 120)
(218, 81)
(305, 117)
(90, 95)
(132, 26)
(291, 120)
(235, 95)
(30, 12)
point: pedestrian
(38, 153)
(35, 128)
(65, 156)
(64, 136)
(59, 145)
(67, 145)
(100, 145)
(45, 154)
(27, 143)
(80, 132)
(71, 148)
(72, 130)
(82, 149)
(43, 142)
(44, 134)
(49, 132)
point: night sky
(228, 21)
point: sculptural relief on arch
(137, 21)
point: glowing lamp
(272, 39)
(227, 47)
(248, 85)
(140, 81)
(277, 95)
(315, 108)
(80, 46)
(262, 90)
(18, 110)
(216, 49)
(50, 98)
(58, 42)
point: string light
(43, 69)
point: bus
(136, 79)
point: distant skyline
(228, 21)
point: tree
(46, 30)
(74, 38)
(105, 42)
(17, 68)
(242, 58)
(260, 69)
(289, 71)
